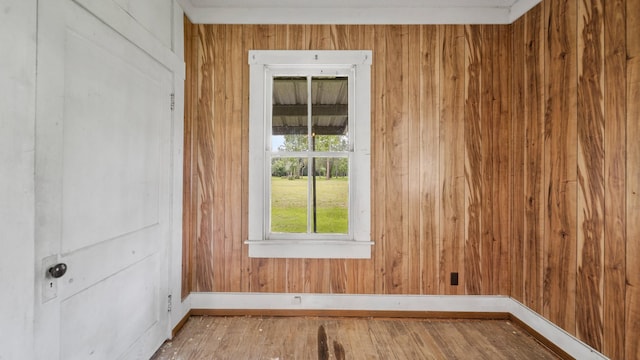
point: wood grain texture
(378, 151)
(510, 159)
(396, 153)
(418, 147)
(204, 247)
(560, 137)
(577, 219)
(632, 303)
(502, 49)
(452, 157)
(219, 163)
(430, 170)
(518, 161)
(590, 234)
(533, 117)
(414, 167)
(355, 338)
(488, 142)
(473, 137)
(615, 101)
(234, 53)
(189, 184)
(487, 159)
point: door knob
(58, 270)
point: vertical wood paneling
(408, 137)
(502, 51)
(320, 37)
(429, 166)
(590, 234)
(204, 251)
(633, 182)
(487, 147)
(518, 161)
(588, 219)
(533, 117)
(414, 168)
(473, 161)
(189, 187)
(396, 237)
(220, 158)
(560, 147)
(614, 171)
(378, 157)
(452, 157)
(233, 170)
(498, 152)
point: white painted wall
(151, 15)
(17, 119)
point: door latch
(58, 270)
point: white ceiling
(356, 11)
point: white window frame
(264, 65)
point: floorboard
(270, 338)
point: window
(309, 154)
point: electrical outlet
(454, 278)
(296, 300)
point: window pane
(330, 113)
(289, 116)
(331, 195)
(289, 195)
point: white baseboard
(427, 303)
(562, 339)
(305, 301)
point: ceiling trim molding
(356, 15)
(520, 8)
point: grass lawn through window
(289, 205)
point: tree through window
(310, 149)
(309, 138)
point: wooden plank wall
(504, 153)
(575, 206)
(632, 317)
(441, 114)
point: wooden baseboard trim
(541, 338)
(181, 323)
(355, 313)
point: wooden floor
(322, 338)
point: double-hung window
(309, 154)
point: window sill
(309, 249)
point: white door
(102, 190)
